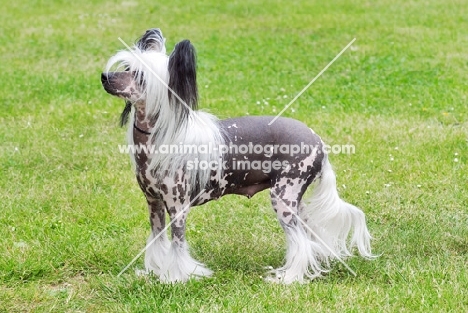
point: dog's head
(146, 76)
(127, 81)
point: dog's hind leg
(303, 255)
(157, 250)
(339, 225)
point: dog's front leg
(179, 266)
(158, 243)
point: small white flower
(389, 171)
(456, 153)
(258, 102)
(285, 96)
(455, 160)
(391, 159)
(367, 192)
(20, 244)
(81, 135)
(396, 148)
(419, 186)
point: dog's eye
(139, 78)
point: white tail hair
(326, 235)
(332, 219)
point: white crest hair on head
(152, 39)
(197, 128)
(151, 75)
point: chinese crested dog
(242, 155)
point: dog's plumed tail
(331, 220)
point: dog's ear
(183, 74)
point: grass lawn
(72, 215)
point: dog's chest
(173, 189)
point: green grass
(72, 215)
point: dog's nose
(104, 77)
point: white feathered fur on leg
(332, 228)
(171, 262)
(303, 258)
(332, 219)
(180, 266)
(156, 253)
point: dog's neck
(141, 136)
(135, 126)
(141, 126)
(142, 123)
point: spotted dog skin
(287, 186)
(287, 181)
(175, 194)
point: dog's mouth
(122, 85)
(119, 84)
